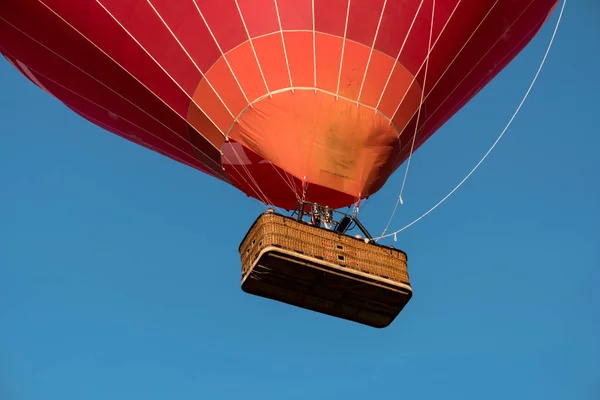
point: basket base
(323, 287)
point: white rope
(499, 137)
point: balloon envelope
(283, 99)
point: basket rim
(315, 227)
(405, 285)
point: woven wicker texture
(272, 229)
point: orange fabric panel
(402, 88)
(300, 56)
(407, 108)
(332, 142)
(328, 54)
(378, 70)
(244, 65)
(224, 82)
(353, 68)
(269, 50)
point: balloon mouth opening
(313, 146)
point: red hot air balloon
(290, 101)
(280, 98)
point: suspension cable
(497, 139)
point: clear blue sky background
(119, 272)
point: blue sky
(119, 272)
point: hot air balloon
(305, 105)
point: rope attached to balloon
(399, 201)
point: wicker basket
(321, 270)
